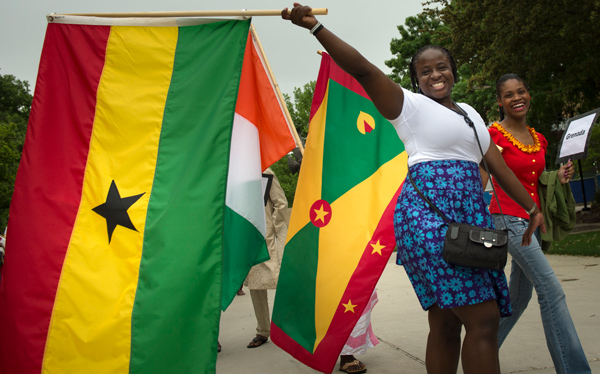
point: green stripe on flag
(246, 236)
(297, 304)
(343, 142)
(176, 311)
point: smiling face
(514, 98)
(434, 74)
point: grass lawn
(583, 244)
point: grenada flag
(117, 218)
(341, 229)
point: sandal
(354, 367)
(258, 341)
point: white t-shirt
(432, 132)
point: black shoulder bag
(468, 245)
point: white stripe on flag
(244, 189)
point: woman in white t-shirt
(443, 159)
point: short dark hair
(503, 80)
(415, 57)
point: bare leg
(443, 342)
(480, 346)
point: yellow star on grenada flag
(377, 247)
(349, 307)
(321, 213)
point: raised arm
(515, 190)
(385, 93)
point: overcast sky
(368, 26)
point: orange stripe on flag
(258, 103)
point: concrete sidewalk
(401, 326)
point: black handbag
(472, 246)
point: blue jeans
(531, 269)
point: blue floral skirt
(455, 188)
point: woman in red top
(524, 151)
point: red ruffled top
(526, 161)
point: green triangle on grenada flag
(341, 229)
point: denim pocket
(516, 225)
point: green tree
(553, 45)
(482, 98)
(15, 105)
(299, 108)
(287, 180)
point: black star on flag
(114, 210)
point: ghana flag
(117, 217)
(341, 230)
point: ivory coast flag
(116, 261)
(341, 230)
(261, 136)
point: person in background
(361, 338)
(524, 151)
(443, 158)
(264, 276)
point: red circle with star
(320, 213)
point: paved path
(401, 326)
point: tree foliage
(287, 180)
(553, 45)
(299, 108)
(15, 105)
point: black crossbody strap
(427, 199)
(472, 125)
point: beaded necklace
(527, 148)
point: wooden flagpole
(202, 13)
(277, 90)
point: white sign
(574, 144)
(576, 136)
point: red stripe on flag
(330, 70)
(53, 161)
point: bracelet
(316, 28)
(530, 211)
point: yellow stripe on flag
(91, 320)
(310, 185)
(350, 214)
